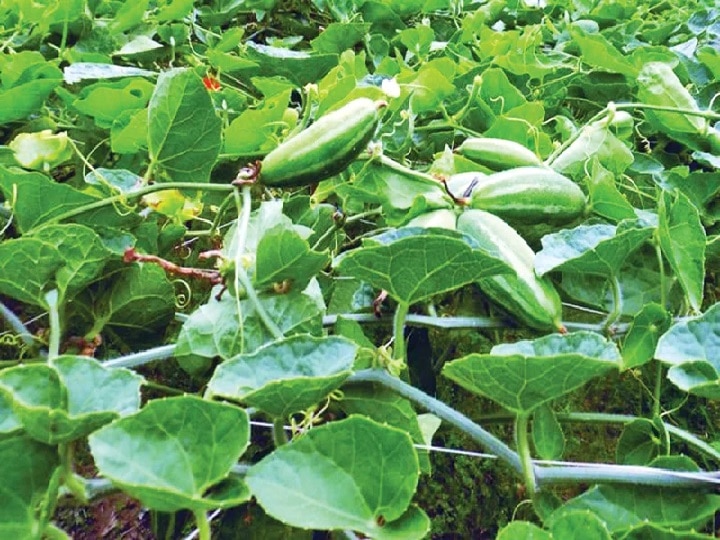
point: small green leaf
(386, 407)
(642, 440)
(547, 433)
(571, 523)
(27, 80)
(171, 452)
(268, 119)
(338, 37)
(524, 375)
(605, 199)
(16, 257)
(691, 348)
(353, 474)
(682, 240)
(643, 335)
(299, 67)
(652, 531)
(413, 264)
(283, 254)
(522, 530)
(401, 196)
(658, 85)
(598, 52)
(285, 376)
(105, 101)
(180, 100)
(26, 469)
(590, 249)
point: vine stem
(401, 312)
(609, 418)
(243, 221)
(523, 447)
(203, 524)
(557, 472)
(109, 201)
(55, 331)
(142, 358)
(657, 389)
(616, 312)
(399, 167)
(441, 410)
(279, 435)
(692, 112)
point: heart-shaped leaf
(180, 99)
(171, 452)
(353, 474)
(285, 376)
(69, 398)
(524, 375)
(413, 264)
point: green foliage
(135, 227)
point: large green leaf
(82, 251)
(171, 452)
(140, 301)
(524, 375)
(354, 474)
(692, 349)
(285, 376)
(624, 507)
(36, 199)
(26, 469)
(682, 239)
(413, 264)
(590, 249)
(184, 131)
(215, 329)
(69, 398)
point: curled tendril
(182, 299)
(8, 339)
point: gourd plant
(400, 165)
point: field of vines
(357, 269)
